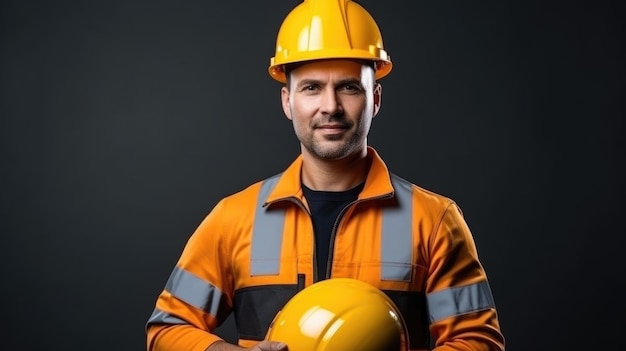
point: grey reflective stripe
(267, 234)
(161, 317)
(459, 300)
(194, 291)
(397, 236)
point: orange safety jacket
(255, 250)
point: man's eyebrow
(308, 82)
(346, 81)
(353, 81)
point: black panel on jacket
(257, 306)
(412, 306)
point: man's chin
(331, 152)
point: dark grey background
(124, 122)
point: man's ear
(378, 94)
(284, 98)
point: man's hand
(264, 345)
(267, 345)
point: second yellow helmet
(340, 314)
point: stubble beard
(333, 148)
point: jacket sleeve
(198, 294)
(460, 303)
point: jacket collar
(377, 183)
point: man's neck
(334, 175)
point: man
(335, 212)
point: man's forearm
(223, 346)
(265, 345)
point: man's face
(331, 104)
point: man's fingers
(267, 345)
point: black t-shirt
(325, 206)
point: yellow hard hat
(324, 29)
(340, 314)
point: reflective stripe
(161, 317)
(267, 234)
(194, 291)
(459, 300)
(397, 236)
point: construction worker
(335, 212)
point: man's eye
(351, 88)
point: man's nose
(330, 103)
